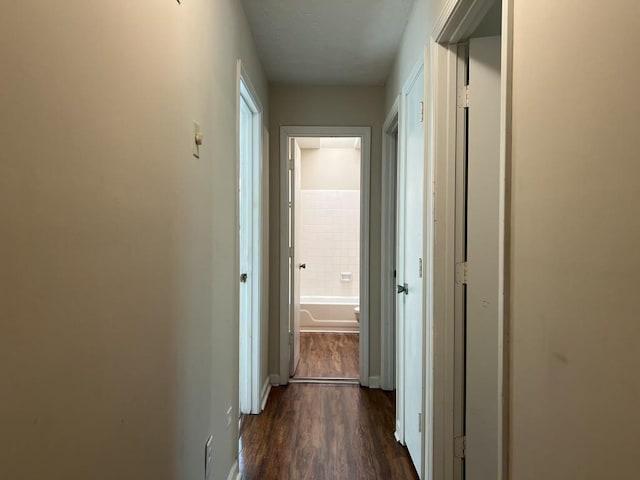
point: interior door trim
(365, 189)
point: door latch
(243, 277)
(403, 289)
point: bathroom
(329, 249)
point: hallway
(122, 256)
(323, 432)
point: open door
(250, 246)
(246, 236)
(410, 308)
(294, 260)
(482, 392)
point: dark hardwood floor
(329, 355)
(320, 431)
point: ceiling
(327, 42)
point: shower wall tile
(330, 242)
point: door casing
(287, 132)
(390, 155)
(457, 21)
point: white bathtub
(328, 314)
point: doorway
(335, 288)
(326, 230)
(477, 253)
(250, 244)
(406, 268)
(469, 112)
(388, 243)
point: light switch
(197, 139)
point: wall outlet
(208, 458)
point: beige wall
(574, 244)
(330, 169)
(417, 34)
(118, 334)
(324, 106)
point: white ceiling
(328, 42)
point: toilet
(356, 312)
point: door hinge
(290, 252)
(460, 447)
(462, 273)
(463, 97)
(290, 338)
(290, 164)
(420, 422)
(421, 112)
(419, 268)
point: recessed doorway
(327, 234)
(324, 262)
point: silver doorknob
(302, 265)
(403, 289)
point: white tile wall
(330, 242)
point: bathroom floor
(334, 355)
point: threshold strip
(325, 380)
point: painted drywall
(118, 323)
(324, 106)
(575, 231)
(491, 25)
(330, 169)
(423, 17)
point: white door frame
(457, 21)
(250, 356)
(364, 133)
(390, 157)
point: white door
(246, 249)
(483, 299)
(294, 259)
(410, 246)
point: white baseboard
(374, 382)
(264, 395)
(399, 434)
(234, 473)
(274, 380)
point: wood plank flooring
(318, 432)
(329, 355)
